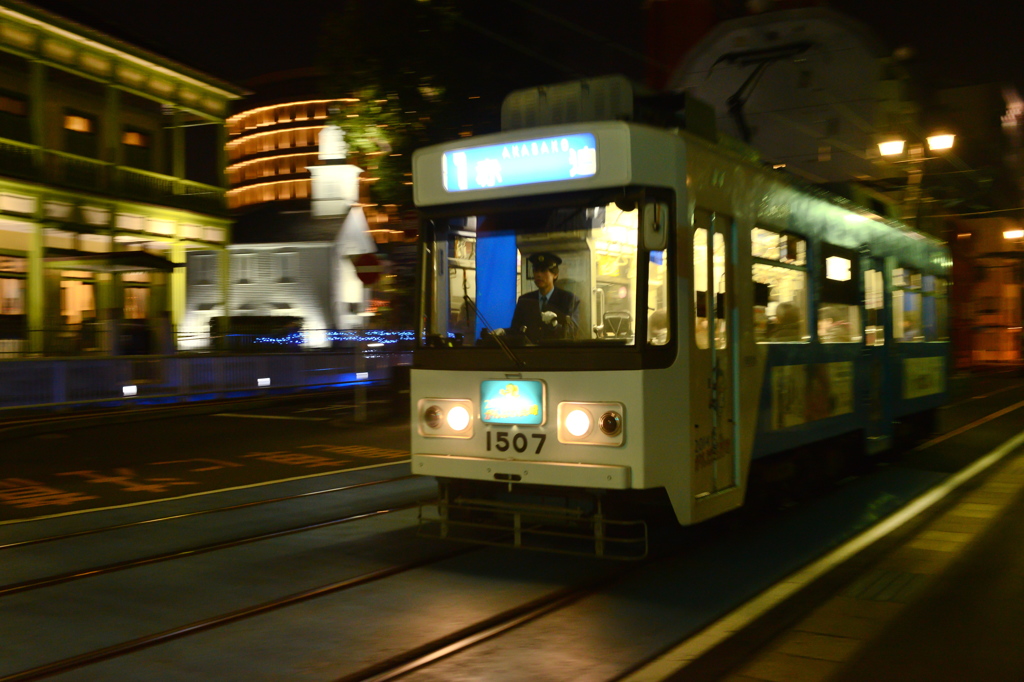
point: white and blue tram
(725, 313)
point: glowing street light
(941, 141)
(891, 147)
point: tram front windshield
(561, 276)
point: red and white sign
(368, 268)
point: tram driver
(549, 312)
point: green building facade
(111, 169)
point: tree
(384, 61)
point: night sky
(956, 43)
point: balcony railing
(61, 169)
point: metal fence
(124, 380)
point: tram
(713, 313)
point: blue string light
(382, 336)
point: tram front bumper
(570, 474)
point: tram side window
(779, 275)
(839, 296)
(906, 305)
(709, 268)
(658, 330)
(934, 315)
(874, 306)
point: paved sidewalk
(946, 604)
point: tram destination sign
(504, 401)
(522, 162)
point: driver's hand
(549, 317)
(500, 331)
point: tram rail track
(201, 512)
(488, 628)
(196, 627)
(25, 586)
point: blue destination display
(504, 401)
(548, 159)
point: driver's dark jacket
(526, 320)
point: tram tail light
(591, 423)
(445, 418)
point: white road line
(683, 655)
(271, 416)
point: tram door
(874, 388)
(713, 441)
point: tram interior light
(130, 390)
(1013, 234)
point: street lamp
(894, 146)
(915, 157)
(891, 147)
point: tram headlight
(458, 418)
(577, 422)
(445, 418)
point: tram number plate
(503, 440)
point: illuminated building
(100, 199)
(294, 239)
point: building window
(14, 117)
(136, 148)
(80, 134)
(245, 268)
(12, 296)
(79, 124)
(134, 138)
(287, 262)
(203, 268)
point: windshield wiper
(471, 306)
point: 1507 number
(500, 441)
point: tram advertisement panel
(806, 393)
(922, 376)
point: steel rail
(202, 512)
(14, 588)
(131, 646)
(488, 628)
